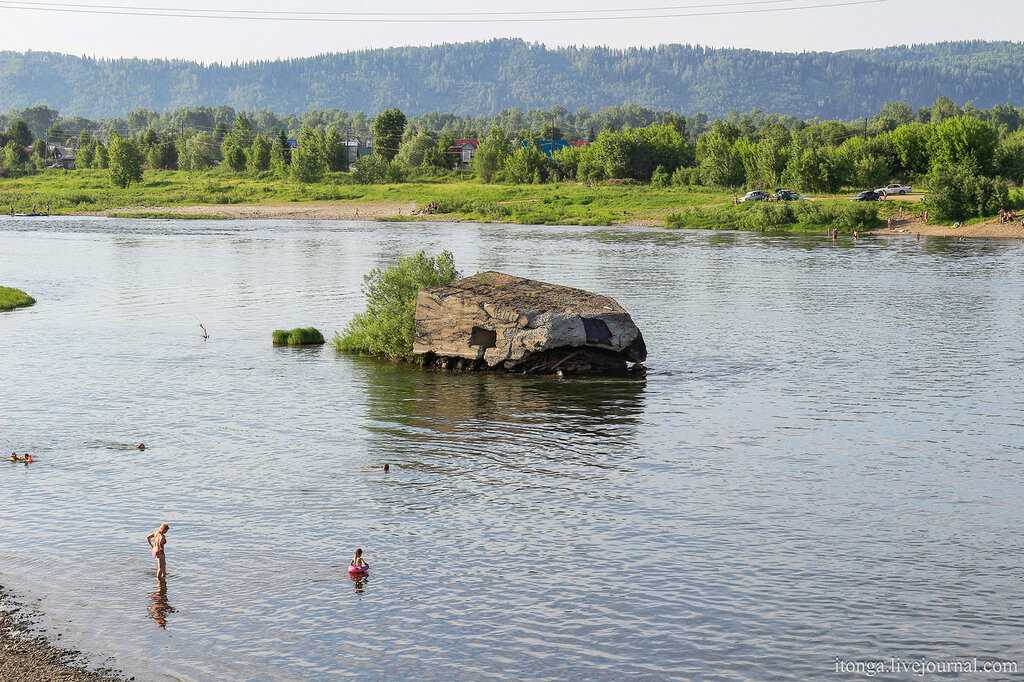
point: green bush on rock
(11, 298)
(386, 328)
(300, 336)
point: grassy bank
(797, 216)
(90, 192)
(14, 298)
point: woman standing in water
(157, 539)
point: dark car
(868, 195)
(786, 195)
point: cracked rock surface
(497, 321)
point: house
(61, 156)
(464, 150)
(549, 147)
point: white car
(894, 188)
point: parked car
(756, 195)
(787, 195)
(868, 195)
(895, 188)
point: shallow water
(825, 460)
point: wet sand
(26, 655)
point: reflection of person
(157, 539)
(159, 607)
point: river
(825, 459)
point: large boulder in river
(497, 321)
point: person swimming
(357, 560)
(14, 457)
(140, 446)
(157, 540)
(28, 458)
(387, 468)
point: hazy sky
(836, 28)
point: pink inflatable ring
(358, 570)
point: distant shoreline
(409, 211)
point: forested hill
(487, 77)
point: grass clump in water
(300, 336)
(11, 298)
(386, 328)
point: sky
(890, 22)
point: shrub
(386, 328)
(14, 298)
(766, 217)
(959, 193)
(370, 169)
(686, 177)
(660, 177)
(300, 336)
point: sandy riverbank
(284, 211)
(26, 655)
(385, 210)
(987, 230)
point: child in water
(357, 560)
(157, 539)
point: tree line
(968, 157)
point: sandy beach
(283, 211)
(27, 655)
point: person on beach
(357, 559)
(157, 539)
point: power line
(470, 13)
(51, 7)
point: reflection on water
(825, 455)
(159, 606)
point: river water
(826, 458)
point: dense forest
(490, 77)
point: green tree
(960, 140)
(961, 193)
(309, 163)
(236, 142)
(335, 150)
(282, 141)
(258, 156)
(661, 177)
(162, 155)
(911, 142)
(86, 154)
(388, 128)
(718, 159)
(1010, 158)
(102, 159)
(421, 150)
(125, 161)
(525, 164)
(20, 134)
(15, 156)
(280, 156)
(195, 152)
(491, 153)
(370, 169)
(386, 327)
